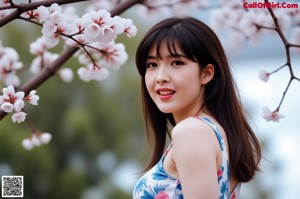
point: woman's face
(174, 83)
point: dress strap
(215, 128)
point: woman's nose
(162, 75)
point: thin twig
(287, 46)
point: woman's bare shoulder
(192, 128)
(191, 124)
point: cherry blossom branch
(21, 8)
(50, 70)
(30, 21)
(287, 46)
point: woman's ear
(207, 74)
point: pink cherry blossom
(10, 96)
(92, 73)
(114, 56)
(39, 46)
(18, 117)
(9, 65)
(32, 98)
(66, 74)
(248, 23)
(55, 8)
(264, 75)
(42, 13)
(49, 28)
(118, 24)
(39, 62)
(10, 78)
(11, 100)
(83, 58)
(128, 28)
(93, 32)
(271, 115)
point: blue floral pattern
(157, 184)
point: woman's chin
(165, 110)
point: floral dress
(157, 184)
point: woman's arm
(197, 156)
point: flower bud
(45, 138)
(35, 141)
(27, 144)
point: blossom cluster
(250, 24)
(36, 139)
(15, 101)
(94, 33)
(9, 65)
(246, 24)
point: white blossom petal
(7, 107)
(18, 117)
(19, 95)
(10, 90)
(19, 105)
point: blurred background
(98, 142)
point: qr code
(12, 186)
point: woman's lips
(165, 93)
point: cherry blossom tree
(91, 38)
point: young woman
(187, 84)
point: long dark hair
(199, 43)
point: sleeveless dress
(157, 184)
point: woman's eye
(151, 65)
(177, 62)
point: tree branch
(50, 70)
(287, 46)
(21, 8)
